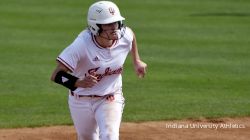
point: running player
(91, 68)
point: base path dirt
(200, 129)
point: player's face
(110, 30)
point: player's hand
(140, 68)
(87, 82)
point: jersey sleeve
(71, 55)
(129, 35)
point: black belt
(73, 94)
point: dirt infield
(201, 129)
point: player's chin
(113, 37)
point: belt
(73, 94)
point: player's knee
(109, 135)
(84, 136)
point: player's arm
(62, 76)
(139, 66)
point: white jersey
(84, 57)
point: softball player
(91, 69)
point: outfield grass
(197, 52)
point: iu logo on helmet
(111, 10)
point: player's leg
(83, 118)
(108, 116)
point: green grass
(197, 52)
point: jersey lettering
(108, 71)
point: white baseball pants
(96, 118)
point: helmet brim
(108, 21)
